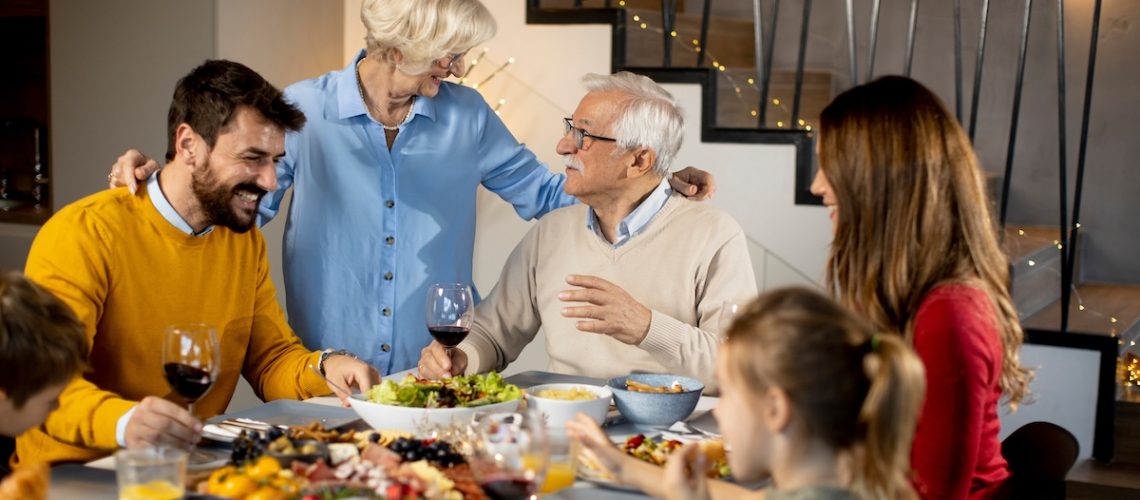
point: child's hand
(685, 474)
(596, 444)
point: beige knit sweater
(684, 265)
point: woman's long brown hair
(913, 212)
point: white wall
(1063, 391)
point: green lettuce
(458, 391)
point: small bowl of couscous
(558, 403)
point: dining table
(96, 480)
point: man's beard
(216, 201)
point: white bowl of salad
(419, 406)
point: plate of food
(654, 450)
(417, 405)
(403, 467)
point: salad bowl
(421, 406)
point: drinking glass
(510, 454)
(190, 360)
(150, 473)
(562, 466)
(450, 309)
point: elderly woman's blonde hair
(423, 31)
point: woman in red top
(916, 253)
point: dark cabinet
(25, 180)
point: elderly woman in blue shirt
(384, 178)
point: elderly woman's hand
(130, 168)
(693, 183)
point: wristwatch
(331, 352)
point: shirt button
(386, 311)
(391, 240)
(385, 347)
(388, 276)
(389, 203)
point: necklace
(360, 88)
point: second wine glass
(450, 309)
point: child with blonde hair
(810, 396)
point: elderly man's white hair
(647, 118)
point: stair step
(1029, 242)
(1102, 304)
(1090, 479)
(1036, 262)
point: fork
(687, 429)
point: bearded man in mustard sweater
(182, 252)
(631, 280)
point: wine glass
(509, 454)
(190, 360)
(449, 312)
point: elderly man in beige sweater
(634, 278)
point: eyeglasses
(450, 60)
(580, 135)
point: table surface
(81, 481)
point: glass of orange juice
(562, 464)
(151, 473)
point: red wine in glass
(450, 309)
(449, 336)
(189, 382)
(508, 487)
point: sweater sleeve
(508, 319)
(691, 350)
(276, 363)
(950, 338)
(71, 258)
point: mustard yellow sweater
(128, 274)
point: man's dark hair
(42, 343)
(207, 99)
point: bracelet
(325, 354)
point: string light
(738, 89)
(1032, 263)
(510, 61)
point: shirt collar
(637, 220)
(350, 103)
(158, 199)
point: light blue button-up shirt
(368, 229)
(636, 221)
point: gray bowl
(651, 408)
